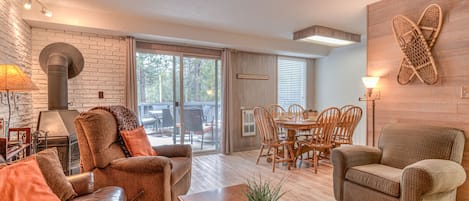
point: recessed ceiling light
(326, 36)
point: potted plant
(259, 190)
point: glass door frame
(180, 103)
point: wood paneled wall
(250, 93)
(440, 104)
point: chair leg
(274, 158)
(315, 161)
(260, 154)
(298, 153)
(202, 142)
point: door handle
(176, 104)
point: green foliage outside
(155, 78)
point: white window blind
(291, 81)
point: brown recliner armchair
(150, 178)
(83, 185)
(411, 163)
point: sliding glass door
(180, 102)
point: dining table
(292, 126)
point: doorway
(179, 98)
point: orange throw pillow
(24, 181)
(137, 142)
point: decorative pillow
(24, 181)
(51, 168)
(137, 142)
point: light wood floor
(301, 184)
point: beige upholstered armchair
(161, 177)
(411, 163)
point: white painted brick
(104, 69)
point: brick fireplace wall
(15, 48)
(104, 70)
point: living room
(144, 56)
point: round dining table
(293, 125)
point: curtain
(131, 77)
(227, 141)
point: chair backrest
(296, 110)
(275, 110)
(167, 118)
(193, 119)
(97, 135)
(266, 125)
(326, 123)
(345, 108)
(348, 122)
(404, 144)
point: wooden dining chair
(295, 110)
(276, 110)
(321, 139)
(344, 130)
(270, 140)
(345, 108)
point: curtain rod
(178, 44)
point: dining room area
(295, 135)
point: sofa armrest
(141, 164)
(431, 176)
(177, 150)
(82, 183)
(349, 156)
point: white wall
(15, 48)
(104, 69)
(338, 82)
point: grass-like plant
(259, 190)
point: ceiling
(265, 20)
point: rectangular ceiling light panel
(326, 36)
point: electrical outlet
(465, 92)
(100, 94)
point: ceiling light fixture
(326, 36)
(29, 4)
(46, 12)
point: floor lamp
(13, 79)
(370, 84)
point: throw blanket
(126, 120)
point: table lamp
(12, 79)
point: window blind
(291, 81)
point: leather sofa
(411, 163)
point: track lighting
(28, 4)
(46, 12)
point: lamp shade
(12, 78)
(370, 82)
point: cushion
(379, 177)
(137, 142)
(180, 167)
(51, 168)
(24, 181)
